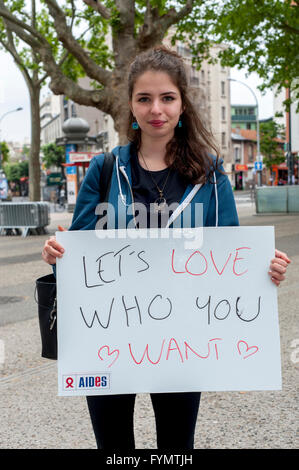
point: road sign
(258, 166)
(54, 178)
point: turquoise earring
(135, 125)
(180, 124)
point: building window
(223, 113)
(194, 80)
(183, 51)
(223, 139)
(222, 88)
(65, 108)
(237, 155)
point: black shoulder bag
(46, 286)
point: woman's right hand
(52, 249)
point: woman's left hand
(278, 267)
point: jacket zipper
(122, 170)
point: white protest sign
(140, 315)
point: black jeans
(175, 413)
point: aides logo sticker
(86, 382)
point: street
(32, 416)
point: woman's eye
(145, 99)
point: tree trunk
(34, 163)
(119, 110)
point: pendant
(160, 204)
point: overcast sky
(13, 94)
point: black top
(145, 192)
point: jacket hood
(123, 153)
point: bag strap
(105, 177)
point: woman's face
(156, 104)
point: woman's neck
(152, 154)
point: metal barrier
(274, 199)
(24, 216)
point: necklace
(160, 203)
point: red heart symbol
(247, 349)
(109, 353)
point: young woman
(167, 163)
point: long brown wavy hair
(189, 150)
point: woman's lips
(157, 123)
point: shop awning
(86, 164)
(239, 167)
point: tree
(29, 63)
(16, 170)
(24, 168)
(249, 28)
(271, 134)
(4, 153)
(54, 155)
(262, 36)
(26, 151)
(83, 32)
(12, 172)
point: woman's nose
(156, 107)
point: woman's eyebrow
(161, 94)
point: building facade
(244, 150)
(243, 116)
(218, 92)
(50, 116)
(55, 110)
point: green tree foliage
(24, 168)
(27, 58)
(16, 170)
(261, 36)
(70, 40)
(271, 135)
(53, 155)
(4, 152)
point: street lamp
(12, 111)
(257, 126)
(3, 116)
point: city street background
(33, 416)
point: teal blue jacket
(216, 198)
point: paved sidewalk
(32, 416)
